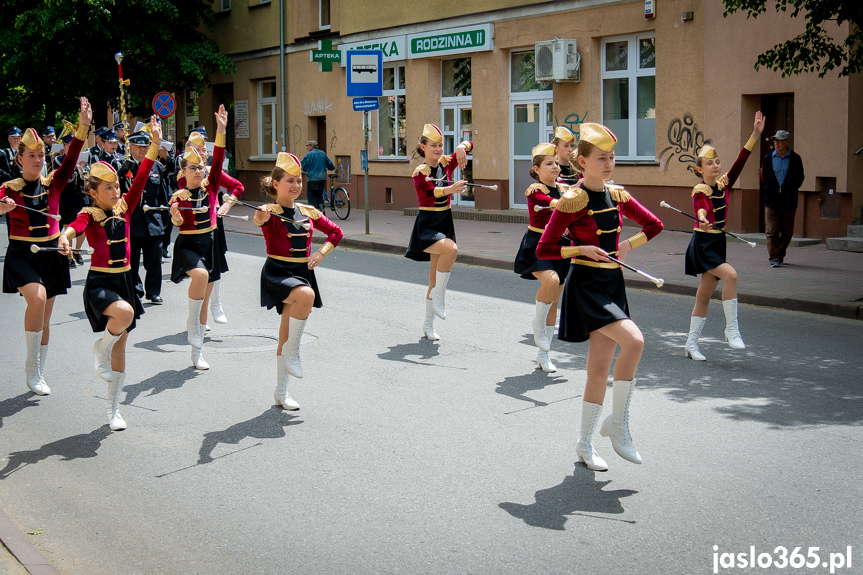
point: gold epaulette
(309, 211)
(15, 185)
(204, 185)
(574, 200)
(181, 196)
(618, 194)
(121, 208)
(46, 181)
(722, 181)
(276, 208)
(422, 169)
(98, 214)
(703, 189)
(444, 161)
(533, 188)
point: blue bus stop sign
(365, 73)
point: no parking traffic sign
(164, 105)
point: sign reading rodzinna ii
(451, 41)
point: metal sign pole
(366, 127)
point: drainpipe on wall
(282, 73)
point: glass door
(532, 122)
(457, 126)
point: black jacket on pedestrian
(156, 193)
(786, 196)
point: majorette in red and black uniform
(49, 268)
(195, 247)
(595, 294)
(109, 278)
(707, 248)
(434, 221)
(568, 174)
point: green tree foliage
(53, 51)
(815, 50)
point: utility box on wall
(557, 61)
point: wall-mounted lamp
(688, 16)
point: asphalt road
(416, 457)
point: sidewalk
(814, 279)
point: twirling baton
(430, 179)
(657, 281)
(727, 233)
(303, 223)
(20, 207)
(36, 249)
(540, 208)
(244, 218)
(167, 208)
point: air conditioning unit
(557, 61)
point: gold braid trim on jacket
(276, 208)
(538, 187)
(181, 196)
(574, 200)
(618, 194)
(309, 211)
(422, 169)
(703, 189)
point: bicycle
(337, 199)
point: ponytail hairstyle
(534, 168)
(696, 170)
(419, 151)
(267, 182)
(584, 149)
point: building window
(392, 136)
(226, 5)
(629, 81)
(523, 73)
(455, 78)
(267, 99)
(324, 14)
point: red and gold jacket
(595, 219)
(430, 196)
(43, 195)
(539, 194)
(108, 231)
(712, 201)
(234, 186)
(292, 242)
(205, 199)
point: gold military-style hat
(433, 133)
(707, 151)
(289, 162)
(196, 139)
(598, 135)
(191, 155)
(32, 140)
(564, 134)
(544, 149)
(104, 171)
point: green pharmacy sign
(452, 41)
(326, 55)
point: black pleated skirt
(102, 289)
(220, 245)
(526, 261)
(593, 298)
(705, 252)
(22, 267)
(278, 278)
(195, 251)
(430, 227)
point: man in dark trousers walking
(781, 178)
(315, 166)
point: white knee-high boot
(291, 349)
(102, 351)
(194, 329)
(216, 304)
(616, 425)
(115, 388)
(198, 361)
(542, 356)
(438, 294)
(33, 365)
(696, 324)
(281, 395)
(43, 359)
(732, 331)
(540, 334)
(590, 413)
(428, 324)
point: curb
(846, 311)
(23, 550)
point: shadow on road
(11, 406)
(422, 350)
(518, 385)
(269, 425)
(163, 381)
(156, 344)
(83, 445)
(578, 494)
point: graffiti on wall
(685, 138)
(571, 121)
(317, 107)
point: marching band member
(550, 273)
(433, 237)
(39, 277)
(564, 139)
(8, 168)
(595, 306)
(110, 301)
(288, 278)
(194, 251)
(706, 252)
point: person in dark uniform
(49, 136)
(97, 148)
(564, 140)
(110, 301)
(109, 153)
(288, 281)
(705, 254)
(433, 236)
(8, 168)
(73, 198)
(595, 307)
(146, 226)
(551, 274)
(120, 130)
(38, 277)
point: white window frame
(321, 25)
(262, 103)
(632, 73)
(395, 92)
(225, 5)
